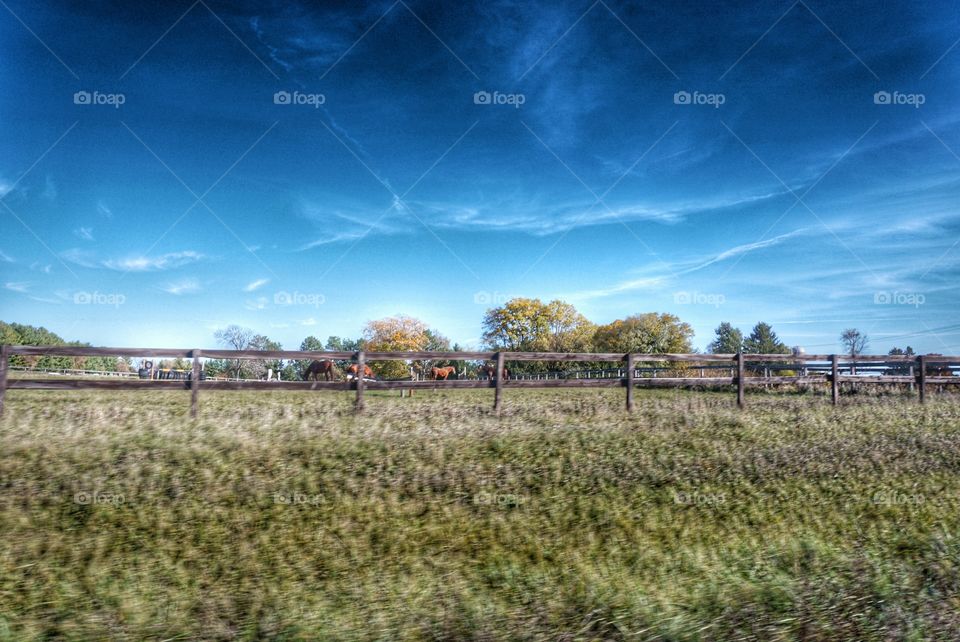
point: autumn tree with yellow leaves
(399, 334)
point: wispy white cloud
(745, 249)
(341, 224)
(17, 286)
(518, 213)
(254, 285)
(308, 321)
(332, 238)
(650, 283)
(539, 220)
(37, 266)
(184, 286)
(104, 210)
(144, 263)
(78, 256)
(259, 303)
(306, 41)
(86, 233)
(6, 258)
(135, 263)
(681, 269)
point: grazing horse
(488, 372)
(317, 368)
(352, 371)
(441, 374)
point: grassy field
(283, 516)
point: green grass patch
(285, 516)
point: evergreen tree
(729, 340)
(763, 340)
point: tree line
(21, 334)
(519, 325)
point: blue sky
(720, 161)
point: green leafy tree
(651, 332)
(729, 340)
(259, 367)
(531, 325)
(8, 335)
(519, 325)
(900, 368)
(435, 342)
(291, 371)
(338, 344)
(28, 335)
(459, 364)
(217, 368)
(567, 331)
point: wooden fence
(827, 369)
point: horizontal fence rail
(637, 370)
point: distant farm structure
(629, 371)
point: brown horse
(441, 374)
(367, 372)
(488, 372)
(317, 368)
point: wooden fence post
(195, 384)
(630, 382)
(740, 380)
(4, 366)
(498, 393)
(361, 363)
(834, 380)
(923, 377)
